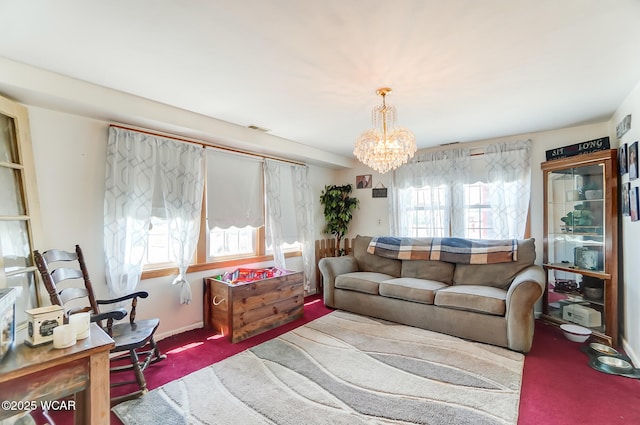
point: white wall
(371, 210)
(630, 235)
(69, 154)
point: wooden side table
(44, 373)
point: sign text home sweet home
(579, 148)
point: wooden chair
(133, 339)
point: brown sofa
(490, 303)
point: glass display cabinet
(581, 242)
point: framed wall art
(633, 203)
(622, 159)
(626, 188)
(633, 161)
(363, 182)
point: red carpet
(559, 387)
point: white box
(42, 320)
(582, 315)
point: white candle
(64, 336)
(80, 322)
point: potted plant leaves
(338, 210)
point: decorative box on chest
(41, 322)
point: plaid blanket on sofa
(451, 250)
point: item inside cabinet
(592, 288)
(589, 258)
(566, 285)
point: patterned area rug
(344, 369)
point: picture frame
(633, 161)
(623, 166)
(633, 203)
(364, 181)
(626, 188)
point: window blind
(234, 190)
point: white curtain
(303, 196)
(274, 219)
(289, 205)
(135, 163)
(181, 170)
(130, 173)
(509, 178)
(426, 191)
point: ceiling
(307, 70)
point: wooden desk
(44, 373)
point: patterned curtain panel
(130, 174)
(181, 170)
(303, 196)
(509, 177)
(290, 213)
(137, 164)
(274, 219)
(425, 192)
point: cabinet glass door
(576, 218)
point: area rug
(344, 369)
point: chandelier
(385, 147)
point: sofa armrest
(525, 290)
(331, 267)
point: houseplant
(338, 210)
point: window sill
(171, 271)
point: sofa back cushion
(430, 270)
(373, 263)
(497, 275)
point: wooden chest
(242, 310)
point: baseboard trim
(163, 335)
(632, 354)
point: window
(455, 193)
(233, 223)
(477, 206)
(232, 242)
(158, 243)
(18, 207)
(426, 212)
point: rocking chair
(132, 339)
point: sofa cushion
(411, 289)
(373, 263)
(497, 275)
(427, 269)
(481, 299)
(366, 282)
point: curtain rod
(203, 143)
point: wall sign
(623, 126)
(579, 148)
(379, 192)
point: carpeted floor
(558, 386)
(344, 369)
